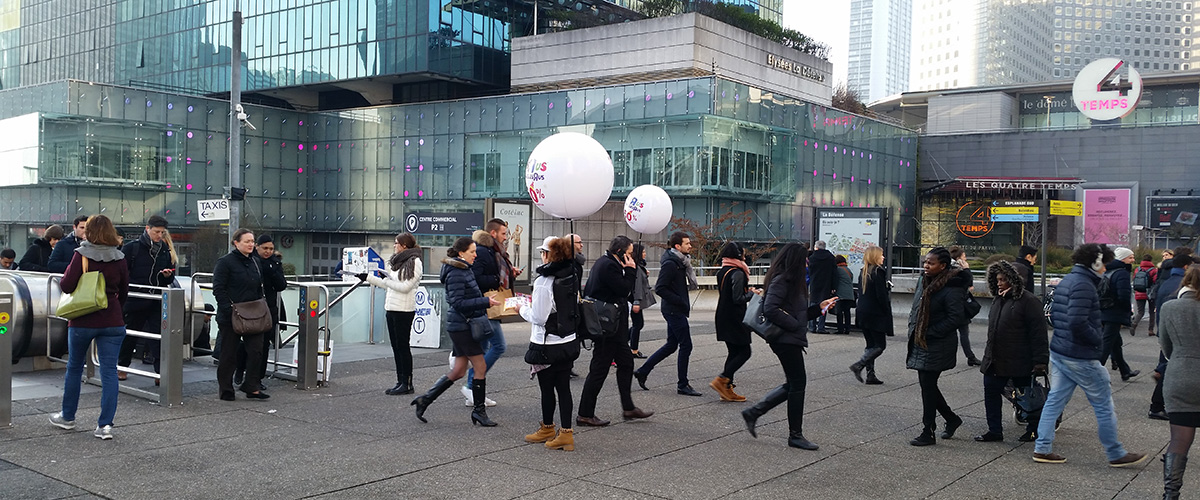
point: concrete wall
(671, 47)
(983, 111)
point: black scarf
(405, 262)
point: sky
(828, 21)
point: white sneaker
(469, 398)
(104, 433)
(58, 421)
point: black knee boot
(479, 414)
(1173, 467)
(423, 401)
(774, 398)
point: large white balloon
(648, 209)
(569, 175)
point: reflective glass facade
(128, 153)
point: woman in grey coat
(643, 297)
(1181, 384)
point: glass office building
(329, 174)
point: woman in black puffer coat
(937, 313)
(1017, 346)
(465, 301)
(785, 304)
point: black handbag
(481, 327)
(548, 354)
(598, 319)
(758, 323)
(1029, 399)
(972, 307)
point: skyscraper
(970, 43)
(1150, 35)
(879, 51)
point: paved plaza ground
(349, 440)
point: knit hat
(546, 243)
(1121, 253)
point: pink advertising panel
(1106, 216)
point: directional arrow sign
(1014, 210)
(213, 209)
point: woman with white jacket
(403, 278)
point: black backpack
(1106, 290)
(1141, 280)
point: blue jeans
(1089, 375)
(495, 349)
(679, 337)
(108, 348)
(817, 324)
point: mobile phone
(164, 271)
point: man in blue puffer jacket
(1075, 352)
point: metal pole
(1044, 218)
(306, 344)
(371, 328)
(6, 309)
(235, 125)
(170, 354)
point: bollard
(170, 354)
(6, 309)
(306, 342)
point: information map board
(850, 231)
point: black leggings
(739, 354)
(635, 331)
(556, 378)
(932, 401)
(399, 325)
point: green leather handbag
(89, 296)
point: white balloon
(569, 175)
(648, 209)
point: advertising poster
(850, 232)
(1174, 214)
(520, 250)
(1106, 216)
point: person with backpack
(1143, 280)
(1116, 309)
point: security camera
(244, 118)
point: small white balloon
(648, 209)
(569, 175)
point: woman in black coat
(937, 312)
(874, 313)
(733, 286)
(466, 302)
(237, 279)
(785, 305)
(1017, 346)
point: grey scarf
(100, 253)
(687, 268)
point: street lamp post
(1049, 99)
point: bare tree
(708, 239)
(848, 99)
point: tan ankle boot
(725, 389)
(564, 441)
(543, 434)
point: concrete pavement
(349, 440)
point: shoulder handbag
(1029, 399)
(589, 327)
(252, 317)
(758, 323)
(608, 314)
(972, 307)
(481, 327)
(90, 295)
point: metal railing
(169, 380)
(6, 310)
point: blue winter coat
(1122, 311)
(1075, 314)
(462, 294)
(62, 254)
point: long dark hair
(638, 250)
(790, 263)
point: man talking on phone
(150, 264)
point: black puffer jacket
(462, 294)
(791, 313)
(235, 279)
(1016, 338)
(731, 305)
(946, 314)
(1121, 312)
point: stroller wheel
(1020, 417)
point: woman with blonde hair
(874, 313)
